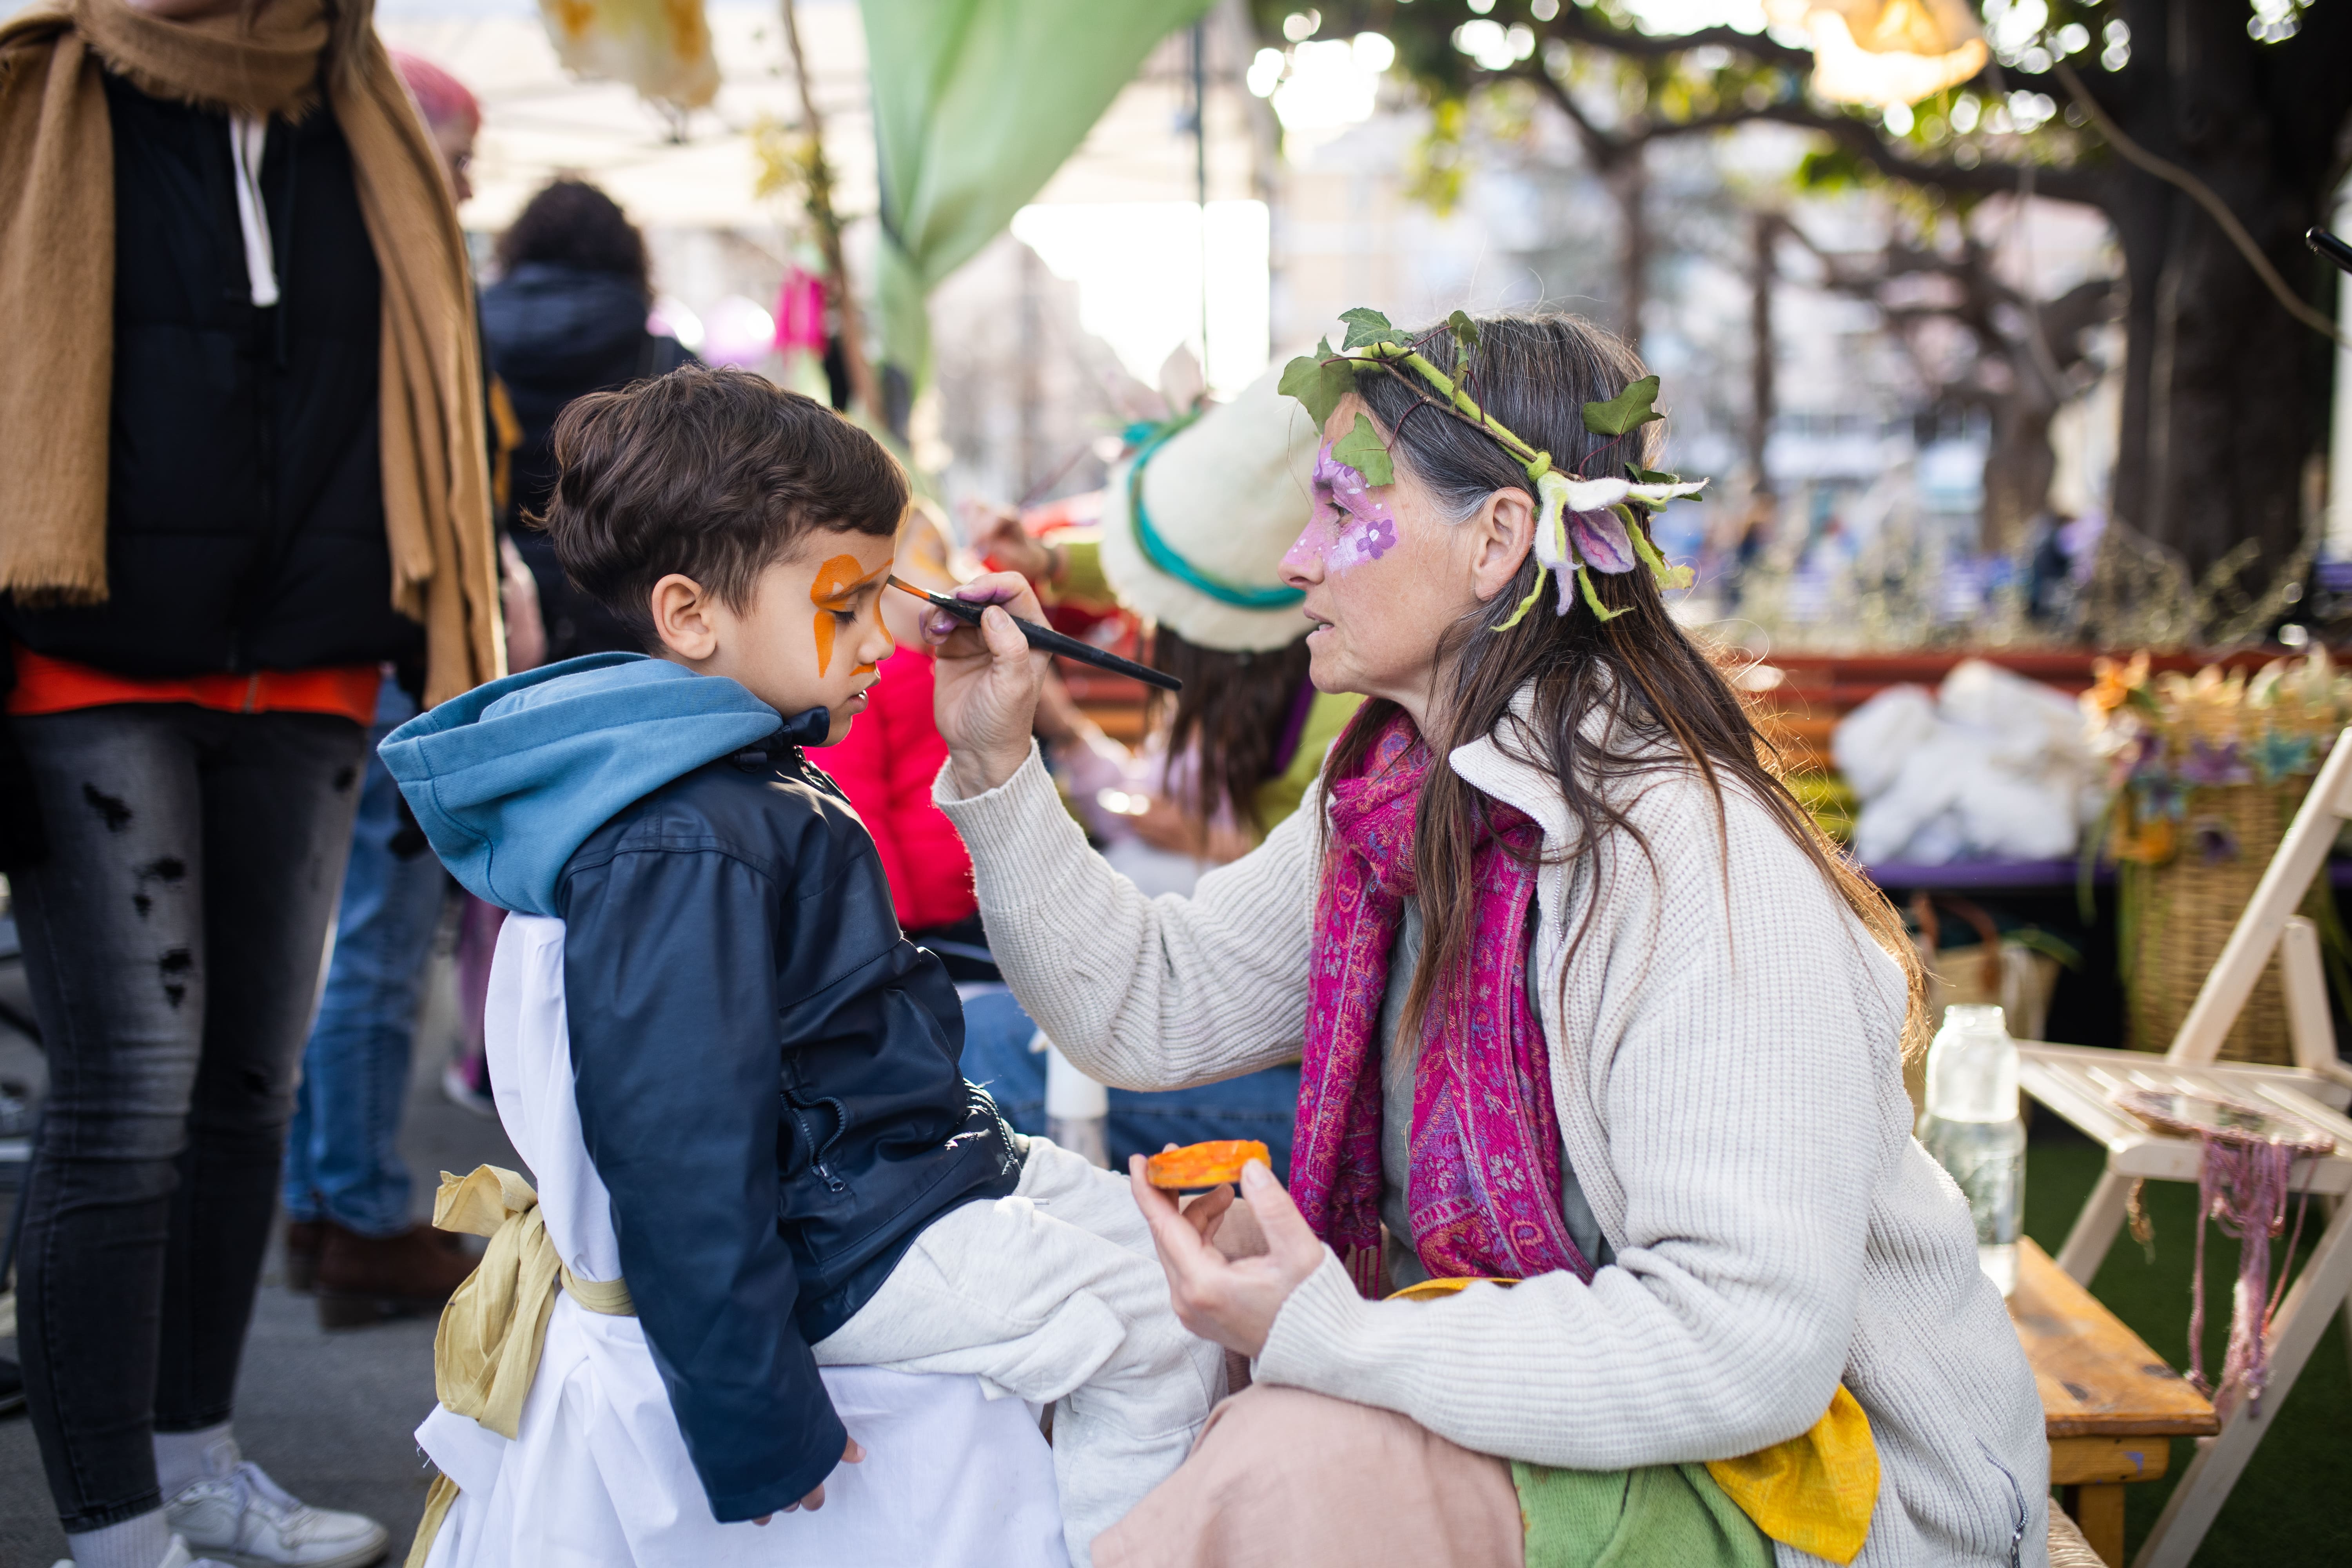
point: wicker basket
(2177, 917)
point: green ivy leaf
(1642, 476)
(1366, 325)
(1628, 410)
(1466, 331)
(1362, 450)
(1320, 381)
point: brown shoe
(303, 1239)
(367, 1279)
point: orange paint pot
(1203, 1165)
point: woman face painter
(1606, 1226)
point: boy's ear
(682, 618)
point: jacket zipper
(816, 1150)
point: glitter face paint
(1350, 525)
(835, 581)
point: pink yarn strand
(2244, 1187)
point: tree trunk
(2018, 467)
(1628, 178)
(2226, 395)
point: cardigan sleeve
(1142, 992)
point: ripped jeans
(171, 940)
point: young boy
(775, 1150)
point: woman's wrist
(977, 770)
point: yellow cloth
(486, 1351)
(1816, 1491)
(57, 294)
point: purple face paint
(1349, 526)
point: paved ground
(328, 1415)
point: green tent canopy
(976, 103)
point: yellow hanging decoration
(661, 48)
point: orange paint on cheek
(835, 579)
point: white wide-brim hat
(1194, 526)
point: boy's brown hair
(716, 474)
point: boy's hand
(1232, 1302)
(988, 678)
(815, 1500)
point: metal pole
(1201, 172)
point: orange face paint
(835, 581)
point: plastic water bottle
(1972, 1129)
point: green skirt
(1673, 1516)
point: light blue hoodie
(511, 778)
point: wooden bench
(2110, 1405)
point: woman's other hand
(1232, 1301)
(988, 679)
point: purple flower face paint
(1350, 526)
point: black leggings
(172, 940)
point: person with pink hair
(450, 113)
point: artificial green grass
(2290, 1507)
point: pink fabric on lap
(1285, 1478)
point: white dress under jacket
(598, 1476)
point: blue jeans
(342, 1154)
(996, 1055)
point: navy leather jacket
(768, 1085)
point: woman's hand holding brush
(988, 682)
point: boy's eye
(846, 617)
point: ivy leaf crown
(1583, 525)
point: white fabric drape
(598, 1475)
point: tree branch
(1577, 27)
(1604, 148)
(1992, 177)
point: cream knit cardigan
(1727, 1073)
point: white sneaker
(248, 1521)
(177, 1557)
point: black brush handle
(2330, 247)
(1052, 641)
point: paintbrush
(1047, 638)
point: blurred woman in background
(567, 317)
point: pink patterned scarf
(1482, 1192)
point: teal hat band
(1158, 551)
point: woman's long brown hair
(1615, 700)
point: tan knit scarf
(56, 297)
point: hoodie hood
(554, 325)
(511, 778)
